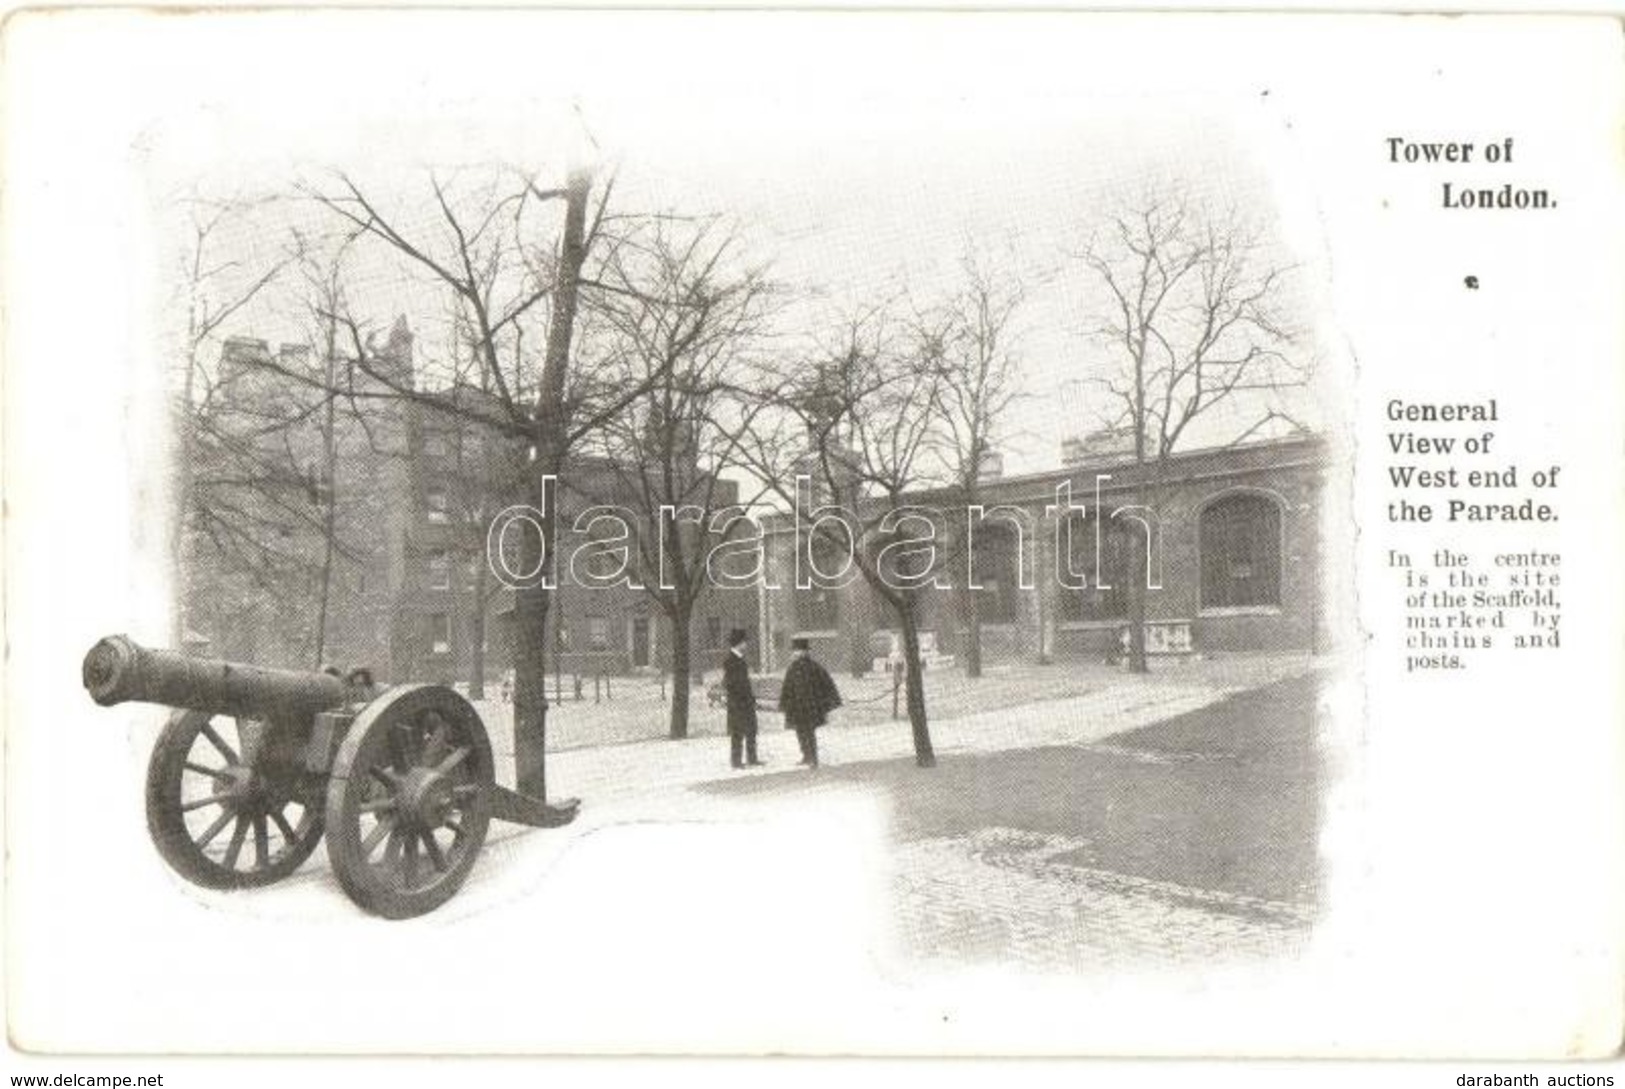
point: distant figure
(807, 697)
(741, 702)
(363, 689)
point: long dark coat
(808, 695)
(741, 699)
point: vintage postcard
(815, 533)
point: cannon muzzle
(119, 670)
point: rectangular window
(439, 571)
(439, 633)
(437, 506)
(597, 633)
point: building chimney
(1108, 443)
(992, 467)
(294, 357)
(240, 355)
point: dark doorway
(640, 642)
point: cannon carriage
(256, 766)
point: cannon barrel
(119, 670)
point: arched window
(1108, 570)
(997, 565)
(1240, 541)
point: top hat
(800, 642)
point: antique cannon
(255, 764)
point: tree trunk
(1138, 572)
(185, 451)
(973, 634)
(914, 687)
(530, 655)
(970, 605)
(551, 437)
(476, 628)
(330, 464)
(328, 529)
(681, 669)
(1136, 622)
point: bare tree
(861, 427)
(322, 287)
(680, 320)
(1194, 320)
(506, 265)
(215, 290)
(258, 524)
(970, 339)
(482, 472)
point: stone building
(1234, 562)
(1233, 536)
(411, 485)
(295, 529)
(598, 628)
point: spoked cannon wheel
(409, 800)
(229, 805)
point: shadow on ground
(1225, 798)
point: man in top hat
(806, 698)
(741, 702)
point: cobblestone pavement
(998, 896)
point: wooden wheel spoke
(289, 836)
(392, 850)
(214, 829)
(436, 856)
(415, 761)
(384, 827)
(198, 763)
(238, 835)
(457, 757)
(220, 743)
(213, 799)
(400, 755)
(409, 865)
(262, 842)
